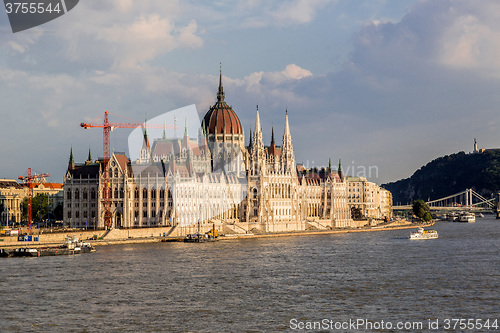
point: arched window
(145, 193)
(136, 193)
(92, 194)
(68, 195)
(77, 194)
(85, 196)
(116, 193)
(116, 173)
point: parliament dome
(221, 118)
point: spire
(341, 174)
(272, 147)
(287, 127)
(250, 143)
(186, 133)
(185, 140)
(329, 164)
(89, 158)
(71, 163)
(288, 157)
(220, 94)
(164, 137)
(257, 121)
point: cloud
(297, 11)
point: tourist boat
(71, 246)
(421, 233)
(467, 217)
(198, 238)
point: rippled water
(257, 285)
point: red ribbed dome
(221, 119)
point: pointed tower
(145, 156)
(220, 93)
(258, 154)
(287, 154)
(341, 174)
(329, 164)
(250, 142)
(164, 136)
(272, 148)
(185, 139)
(89, 158)
(71, 163)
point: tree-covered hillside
(448, 175)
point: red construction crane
(28, 179)
(107, 127)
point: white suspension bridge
(468, 200)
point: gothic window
(162, 194)
(85, 214)
(145, 193)
(92, 194)
(84, 193)
(116, 193)
(77, 214)
(153, 194)
(144, 213)
(93, 214)
(68, 195)
(122, 194)
(116, 173)
(69, 214)
(136, 193)
(77, 194)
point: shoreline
(156, 239)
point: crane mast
(28, 179)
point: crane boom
(107, 127)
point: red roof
(221, 119)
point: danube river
(263, 284)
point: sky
(385, 85)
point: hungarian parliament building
(217, 179)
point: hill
(448, 175)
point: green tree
(356, 213)
(40, 206)
(427, 216)
(420, 208)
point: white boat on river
(422, 233)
